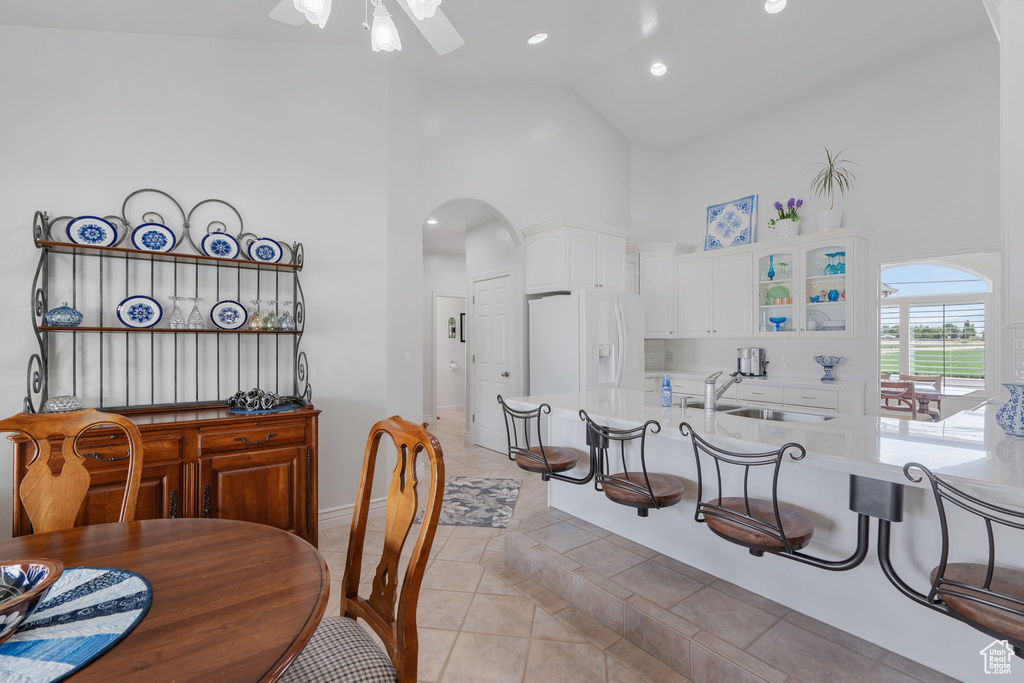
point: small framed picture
(731, 224)
(462, 327)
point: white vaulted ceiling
(727, 59)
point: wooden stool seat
(559, 458)
(796, 527)
(1009, 582)
(665, 488)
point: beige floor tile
(562, 537)
(657, 583)
(536, 522)
(564, 662)
(642, 664)
(442, 609)
(544, 598)
(617, 673)
(493, 584)
(500, 615)
(453, 576)
(735, 622)
(632, 546)
(478, 657)
(462, 549)
(808, 656)
(606, 559)
(594, 631)
(548, 627)
(434, 648)
(685, 569)
(912, 668)
(884, 674)
(847, 640)
(758, 601)
(482, 532)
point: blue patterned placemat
(86, 613)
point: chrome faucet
(711, 396)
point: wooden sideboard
(200, 462)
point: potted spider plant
(833, 175)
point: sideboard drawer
(266, 434)
(754, 392)
(113, 450)
(812, 398)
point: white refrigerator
(584, 341)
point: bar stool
(544, 460)
(642, 490)
(761, 525)
(987, 597)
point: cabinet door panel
(581, 272)
(693, 298)
(731, 309)
(632, 274)
(545, 263)
(267, 487)
(159, 495)
(611, 262)
(656, 290)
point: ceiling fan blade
(284, 12)
(438, 31)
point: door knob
(505, 374)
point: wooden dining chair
(926, 384)
(903, 394)
(341, 650)
(54, 487)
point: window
(932, 323)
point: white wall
(442, 274)
(85, 118)
(450, 354)
(926, 137)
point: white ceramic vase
(788, 228)
(830, 219)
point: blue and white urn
(1011, 415)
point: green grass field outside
(967, 361)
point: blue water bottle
(666, 393)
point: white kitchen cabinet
(569, 254)
(713, 296)
(632, 272)
(657, 293)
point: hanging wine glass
(270, 320)
(176, 319)
(286, 321)
(830, 269)
(195, 317)
(841, 264)
(256, 320)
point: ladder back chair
(53, 497)
(903, 393)
(640, 489)
(985, 596)
(341, 650)
(758, 524)
(526, 446)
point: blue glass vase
(771, 267)
(63, 316)
(1011, 415)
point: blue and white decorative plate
(731, 224)
(266, 250)
(139, 312)
(92, 231)
(153, 237)
(87, 612)
(221, 245)
(229, 315)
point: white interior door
(492, 354)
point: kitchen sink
(778, 415)
(719, 407)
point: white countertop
(769, 381)
(968, 449)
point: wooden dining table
(232, 601)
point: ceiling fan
(426, 15)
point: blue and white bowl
(220, 244)
(828, 362)
(139, 312)
(92, 231)
(23, 585)
(153, 237)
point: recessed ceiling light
(431, 221)
(658, 69)
(537, 38)
(774, 6)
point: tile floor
(480, 619)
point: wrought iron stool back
(526, 446)
(985, 596)
(642, 490)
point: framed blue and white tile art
(731, 224)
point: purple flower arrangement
(787, 212)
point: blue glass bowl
(23, 585)
(777, 322)
(63, 316)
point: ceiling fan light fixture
(774, 6)
(659, 69)
(424, 9)
(315, 11)
(383, 34)
(537, 38)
